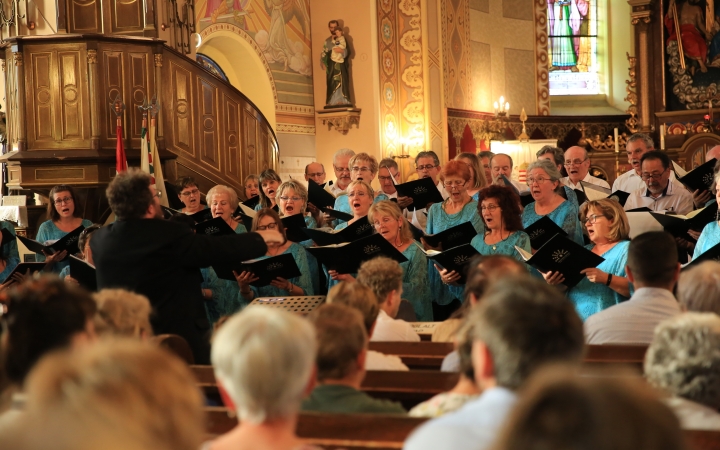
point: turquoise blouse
(438, 220)
(565, 216)
(416, 286)
(709, 238)
(303, 281)
(49, 232)
(590, 298)
(9, 252)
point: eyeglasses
(189, 193)
(295, 199)
(593, 218)
(654, 176)
(490, 208)
(540, 180)
(341, 169)
(451, 184)
(313, 175)
(360, 169)
(426, 167)
(270, 226)
(388, 178)
(575, 162)
(357, 194)
(60, 201)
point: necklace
(494, 246)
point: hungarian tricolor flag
(150, 160)
(120, 158)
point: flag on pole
(150, 159)
(118, 107)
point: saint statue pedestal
(340, 118)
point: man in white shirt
(637, 145)
(427, 165)
(502, 164)
(653, 268)
(384, 277)
(659, 192)
(341, 161)
(577, 165)
(520, 325)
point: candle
(662, 137)
(495, 105)
(617, 143)
(507, 106)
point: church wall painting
(281, 29)
(693, 64)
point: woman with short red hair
(457, 209)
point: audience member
(684, 361)
(659, 192)
(605, 285)
(653, 269)
(65, 216)
(342, 349)
(544, 181)
(464, 391)
(698, 288)
(160, 258)
(477, 174)
(269, 181)
(385, 278)
(360, 297)
(264, 361)
(577, 165)
(113, 395)
(562, 410)
(316, 172)
(42, 315)
(520, 325)
(123, 313)
(189, 195)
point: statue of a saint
(334, 59)
(691, 27)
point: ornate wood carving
(84, 16)
(126, 17)
(207, 115)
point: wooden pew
(615, 356)
(408, 388)
(369, 431)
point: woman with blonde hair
(477, 173)
(117, 394)
(605, 285)
(123, 313)
(292, 199)
(363, 167)
(269, 181)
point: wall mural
(693, 62)
(281, 29)
(210, 65)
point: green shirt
(343, 399)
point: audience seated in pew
(361, 298)
(264, 362)
(464, 391)
(385, 278)
(342, 350)
(42, 315)
(684, 361)
(653, 269)
(123, 313)
(561, 410)
(698, 288)
(113, 395)
(482, 271)
(520, 325)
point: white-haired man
(577, 165)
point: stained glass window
(572, 47)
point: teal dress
(565, 216)
(49, 232)
(438, 220)
(303, 281)
(416, 286)
(9, 252)
(590, 298)
(226, 297)
(709, 238)
(311, 223)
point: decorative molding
(641, 11)
(455, 25)
(207, 32)
(92, 56)
(158, 60)
(340, 118)
(18, 58)
(3, 65)
(294, 110)
(542, 80)
(293, 128)
(631, 88)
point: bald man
(316, 172)
(577, 165)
